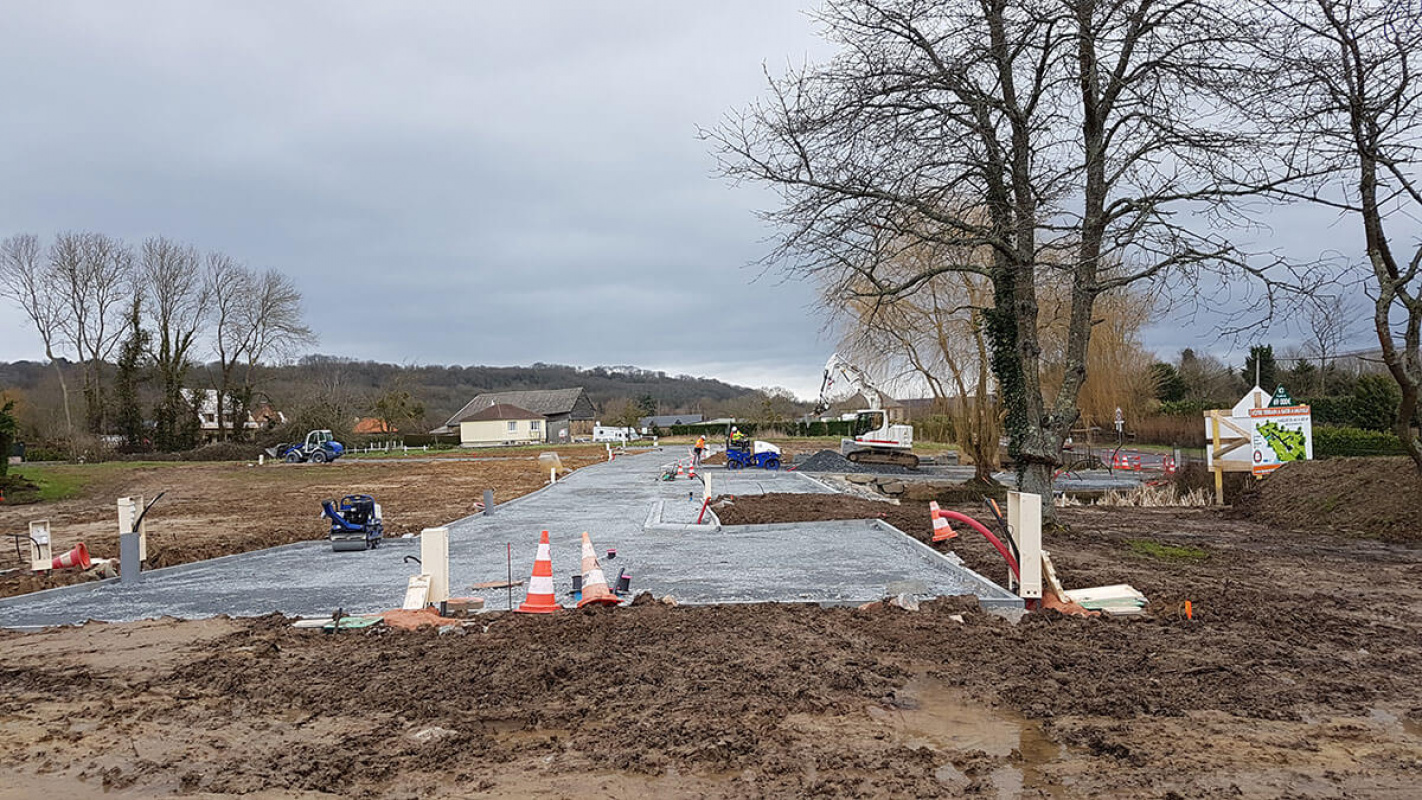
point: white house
(501, 424)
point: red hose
(996, 542)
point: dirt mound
(1375, 498)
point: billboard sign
(1280, 434)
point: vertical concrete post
(128, 510)
(261, 459)
(488, 502)
(130, 565)
(41, 547)
(434, 562)
(552, 475)
(1024, 523)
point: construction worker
(698, 450)
(738, 439)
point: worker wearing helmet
(698, 450)
(738, 439)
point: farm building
(563, 412)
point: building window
(513, 425)
(535, 425)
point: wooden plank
(1049, 570)
(417, 593)
(496, 585)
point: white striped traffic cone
(540, 598)
(942, 531)
(594, 582)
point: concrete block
(896, 487)
(860, 478)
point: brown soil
(1297, 677)
(1376, 498)
(217, 509)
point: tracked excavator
(874, 440)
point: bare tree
(229, 285)
(94, 275)
(272, 315)
(1089, 131)
(936, 335)
(178, 305)
(26, 279)
(1330, 323)
(1354, 104)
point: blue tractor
(356, 524)
(319, 448)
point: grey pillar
(130, 569)
(489, 502)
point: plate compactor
(356, 524)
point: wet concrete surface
(825, 562)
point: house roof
(665, 420)
(546, 402)
(500, 411)
(373, 425)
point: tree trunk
(64, 392)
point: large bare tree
(1349, 90)
(1091, 132)
(178, 304)
(94, 276)
(26, 279)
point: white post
(706, 486)
(41, 549)
(261, 459)
(552, 475)
(608, 445)
(128, 510)
(434, 561)
(1024, 523)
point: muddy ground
(1297, 677)
(216, 509)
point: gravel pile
(831, 461)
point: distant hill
(442, 389)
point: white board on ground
(417, 593)
(434, 560)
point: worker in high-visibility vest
(698, 450)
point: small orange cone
(78, 557)
(942, 531)
(691, 471)
(594, 582)
(540, 598)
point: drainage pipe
(996, 542)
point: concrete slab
(837, 562)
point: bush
(1375, 401)
(1329, 442)
(936, 428)
(1336, 410)
(429, 439)
(1187, 408)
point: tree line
(131, 315)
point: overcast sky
(464, 182)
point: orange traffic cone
(691, 471)
(942, 531)
(540, 598)
(594, 582)
(680, 470)
(78, 557)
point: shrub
(1187, 408)
(1335, 410)
(1330, 442)
(1375, 401)
(936, 428)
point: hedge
(718, 430)
(1338, 442)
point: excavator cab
(867, 422)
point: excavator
(874, 441)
